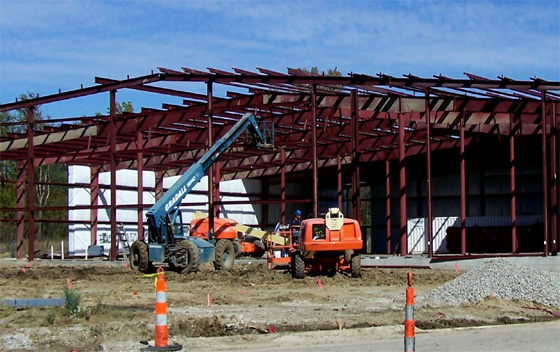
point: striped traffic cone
(162, 335)
(409, 341)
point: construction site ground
(254, 308)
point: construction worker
(295, 226)
(297, 218)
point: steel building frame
(320, 121)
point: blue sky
(50, 45)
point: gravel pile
(499, 278)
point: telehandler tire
(139, 259)
(355, 265)
(298, 266)
(191, 257)
(224, 255)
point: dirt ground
(116, 305)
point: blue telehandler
(167, 243)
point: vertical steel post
(20, 214)
(315, 172)
(514, 246)
(283, 185)
(462, 181)
(388, 205)
(140, 188)
(210, 113)
(217, 178)
(30, 185)
(94, 200)
(266, 195)
(402, 187)
(355, 155)
(429, 229)
(339, 181)
(160, 175)
(554, 182)
(545, 172)
(113, 162)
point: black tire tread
(260, 249)
(355, 265)
(223, 260)
(193, 257)
(139, 258)
(298, 266)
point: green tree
(14, 124)
(331, 72)
(120, 108)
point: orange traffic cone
(162, 335)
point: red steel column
(113, 148)
(314, 172)
(545, 172)
(554, 180)
(94, 200)
(402, 187)
(160, 175)
(217, 189)
(355, 156)
(283, 185)
(20, 214)
(265, 194)
(140, 188)
(388, 205)
(30, 185)
(429, 232)
(514, 246)
(463, 184)
(211, 168)
(339, 181)
(554, 173)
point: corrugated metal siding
(416, 229)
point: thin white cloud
(46, 45)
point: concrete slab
(551, 263)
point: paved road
(506, 338)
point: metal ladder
(123, 241)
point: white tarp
(79, 234)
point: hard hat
(298, 213)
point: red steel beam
(388, 206)
(210, 112)
(140, 187)
(20, 201)
(283, 184)
(314, 172)
(554, 181)
(429, 231)
(30, 185)
(514, 246)
(463, 188)
(113, 172)
(94, 200)
(544, 174)
(402, 187)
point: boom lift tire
(139, 259)
(355, 265)
(224, 255)
(348, 255)
(189, 257)
(237, 249)
(298, 266)
(260, 249)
